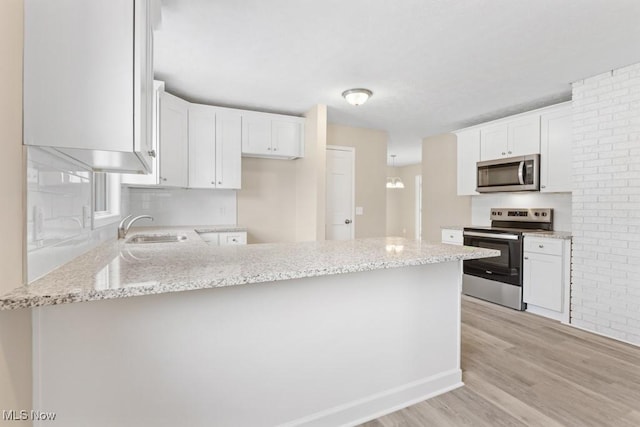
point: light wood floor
(520, 369)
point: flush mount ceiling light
(357, 96)
(394, 181)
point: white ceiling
(434, 65)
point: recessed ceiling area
(434, 66)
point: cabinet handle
(151, 153)
(164, 179)
(269, 148)
(541, 246)
(219, 182)
(543, 186)
(526, 257)
(451, 236)
(509, 152)
(503, 153)
(213, 182)
(275, 149)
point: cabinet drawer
(542, 245)
(452, 236)
(233, 239)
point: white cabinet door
(494, 141)
(468, 156)
(543, 280)
(151, 178)
(173, 140)
(202, 146)
(286, 138)
(87, 84)
(524, 136)
(228, 149)
(518, 137)
(555, 150)
(256, 134)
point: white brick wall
(606, 204)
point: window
(106, 199)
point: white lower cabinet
(225, 238)
(546, 277)
(452, 236)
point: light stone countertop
(118, 270)
(563, 235)
(453, 227)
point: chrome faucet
(123, 227)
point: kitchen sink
(156, 238)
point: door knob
(347, 221)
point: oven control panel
(522, 215)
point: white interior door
(340, 193)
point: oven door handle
(492, 235)
(521, 173)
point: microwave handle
(521, 173)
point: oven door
(507, 267)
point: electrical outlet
(86, 216)
(359, 210)
(38, 223)
(32, 175)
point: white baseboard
(386, 402)
(635, 344)
(545, 312)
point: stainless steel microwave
(520, 173)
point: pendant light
(394, 181)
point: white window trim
(111, 216)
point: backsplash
(58, 197)
(181, 206)
(560, 203)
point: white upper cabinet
(214, 147)
(228, 149)
(555, 149)
(153, 177)
(88, 86)
(202, 146)
(272, 136)
(286, 138)
(173, 140)
(468, 156)
(256, 135)
(510, 138)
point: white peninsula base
(319, 351)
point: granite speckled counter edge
(119, 270)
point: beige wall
(370, 175)
(15, 326)
(311, 177)
(401, 203)
(440, 203)
(267, 200)
(283, 200)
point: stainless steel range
(499, 279)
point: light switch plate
(359, 210)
